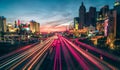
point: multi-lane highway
(55, 53)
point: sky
(53, 15)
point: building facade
(2, 24)
(34, 27)
(82, 17)
(92, 16)
(76, 21)
(117, 9)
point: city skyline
(49, 13)
(59, 34)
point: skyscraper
(117, 9)
(2, 24)
(92, 16)
(34, 26)
(104, 10)
(87, 18)
(103, 20)
(82, 12)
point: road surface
(55, 53)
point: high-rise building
(34, 26)
(103, 20)
(92, 16)
(2, 24)
(82, 12)
(15, 25)
(104, 10)
(37, 27)
(76, 21)
(111, 22)
(87, 19)
(117, 9)
(113, 16)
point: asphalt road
(55, 53)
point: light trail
(115, 58)
(56, 51)
(81, 61)
(66, 54)
(18, 59)
(40, 50)
(41, 61)
(57, 60)
(18, 54)
(39, 55)
(16, 51)
(98, 63)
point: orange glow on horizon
(52, 28)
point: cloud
(58, 21)
(56, 25)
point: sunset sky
(53, 15)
